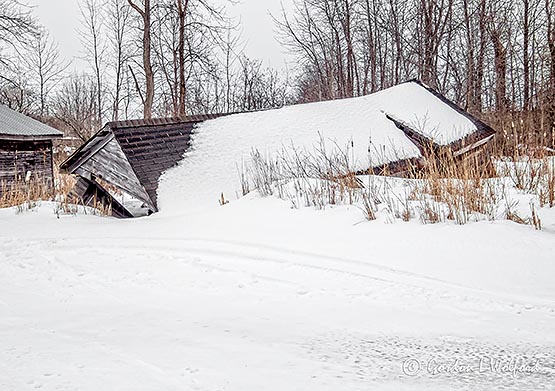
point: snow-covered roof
(364, 122)
(369, 125)
(16, 124)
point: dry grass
(526, 149)
(27, 195)
(445, 189)
(307, 178)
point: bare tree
(434, 19)
(16, 25)
(182, 10)
(118, 28)
(145, 14)
(17, 93)
(484, 54)
(230, 57)
(75, 105)
(499, 32)
(95, 46)
(550, 98)
(475, 45)
(44, 63)
(261, 88)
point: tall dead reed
(444, 188)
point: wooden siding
(111, 165)
(93, 194)
(17, 158)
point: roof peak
(162, 121)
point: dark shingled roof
(14, 124)
(151, 146)
(155, 145)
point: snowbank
(256, 296)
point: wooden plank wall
(92, 194)
(111, 165)
(17, 158)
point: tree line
(180, 57)
(489, 56)
(144, 58)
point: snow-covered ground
(258, 296)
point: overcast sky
(62, 19)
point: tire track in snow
(251, 253)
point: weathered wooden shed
(121, 164)
(25, 150)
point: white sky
(62, 19)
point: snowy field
(257, 296)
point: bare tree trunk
(371, 56)
(550, 98)
(500, 60)
(479, 79)
(435, 16)
(182, 7)
(118, 19)
(427, 41)
(397, 39)
(470, 60)
(147, 62)
(351, 63)
(526, 54)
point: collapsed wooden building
(471, 146)
(130, 156)
(127, 158)
(25, 151)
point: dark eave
(20, 137)
(423, 143)
(483, 129)
(84, 152)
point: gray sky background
(62, 18)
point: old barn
(388, 131)
(25, 150)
